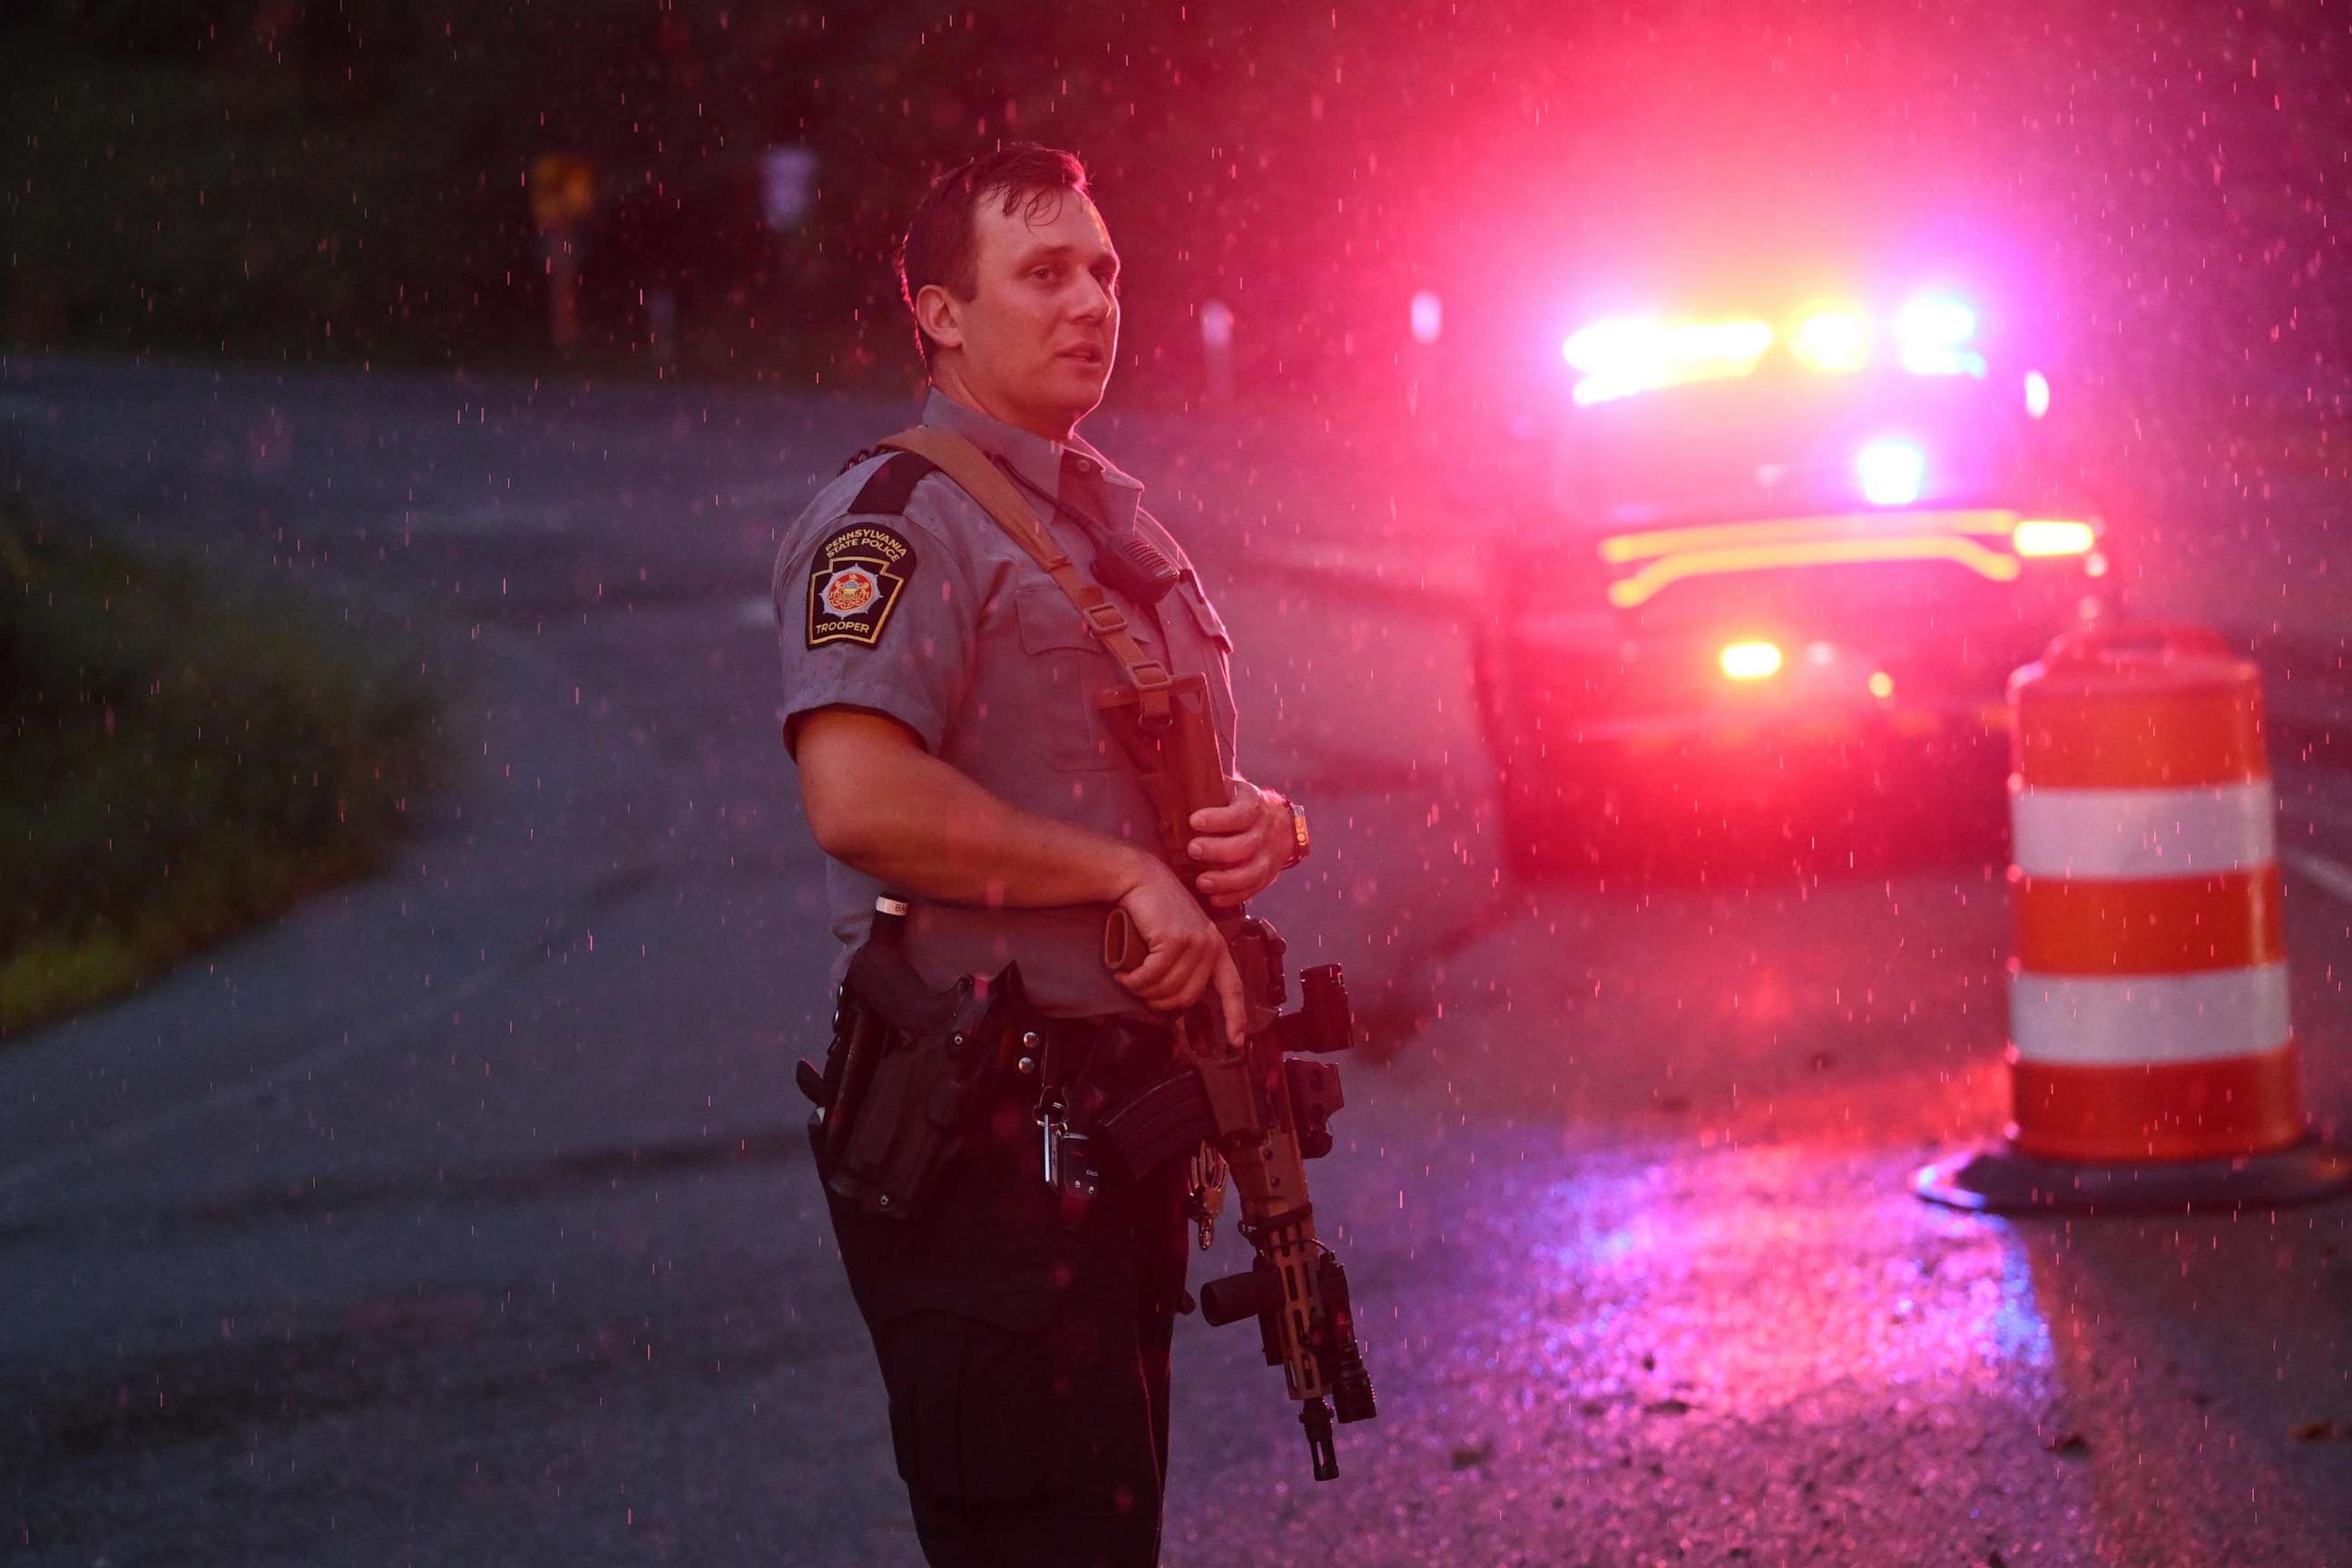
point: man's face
(1042, 329)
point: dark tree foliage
(348, 178)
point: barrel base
(2005, 1180)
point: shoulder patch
(860, 571)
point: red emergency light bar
(1622, 356)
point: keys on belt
(1205, 1197)
(1067, 1153)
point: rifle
(1265, 1110)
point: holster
(906, 1078)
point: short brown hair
(943, 245)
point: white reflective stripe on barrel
(2139, 834)
(2128, 1021)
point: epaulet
(886, 489)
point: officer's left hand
(1243, 845)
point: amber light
(1992, 565)
(1834, 341)
(1750, 660)
(2043, 536)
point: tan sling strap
(981, 479)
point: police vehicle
(1777, 558)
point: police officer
(939, 707)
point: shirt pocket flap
(1049, 621)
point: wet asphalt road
(461, 1215)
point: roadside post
(1425, 323)
(562, 196)
(2152, 1057)
(1217, 350)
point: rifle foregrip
(1232, 1299)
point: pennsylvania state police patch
(860, 571)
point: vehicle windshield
(1776, 445)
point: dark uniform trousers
(1024, 1335)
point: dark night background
(401, 1162)
(276, 181)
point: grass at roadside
(181, 761)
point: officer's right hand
(1183, 954)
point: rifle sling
(979, 478)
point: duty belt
(1069, 1074)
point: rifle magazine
(1166, 1118)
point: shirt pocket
(1065, 665)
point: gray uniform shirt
(935, 617)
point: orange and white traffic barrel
(2152, 1057)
